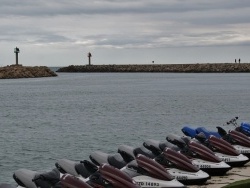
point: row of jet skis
(177, 162)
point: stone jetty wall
(191, 68)
(19, 71)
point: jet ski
(145, 171)
(111, 177)
(32, 179)
(224, 150)
(239, 141)
(106, 177)
(175, 163)
(85, 168)
(82, 169)
(244, 127)
(200, 155)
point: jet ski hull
(189, 178)
(213, 169)
(185, 174)
(149, 182)
(243, 150)
(233, 161)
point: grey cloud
(168, 40)
(125, 23)
(14, 34)
(48, 8)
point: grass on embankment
(239, 184)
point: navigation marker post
(16, 51)
(89, 56)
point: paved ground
(235, 174)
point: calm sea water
(45, 119)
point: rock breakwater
(188, 68)
(19, 71)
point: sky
(62, 32)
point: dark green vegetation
(239, 184)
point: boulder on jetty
(19, 71)
(191, 68)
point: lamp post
(89, 56)
(16, 51)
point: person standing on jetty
(235, 61)
(239, 60)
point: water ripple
(70, 116)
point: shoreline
(235, 174)
(167, 68)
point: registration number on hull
(226, 159)
(203, 166)
(149, 184)
(181, 177)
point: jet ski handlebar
(233, 121)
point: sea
(71, 115)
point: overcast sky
(62, 32)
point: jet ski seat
(153, 146)
(51, 175)
(143, 151)
(176, 140)
(116, 160)
(98, 157)
(24, 177)
(51, 179)
(167, 144)
(127, 153)
(201, 137)
(85, 168)
(189, 131)
(207, 133)
(28, 178)
(186, 139)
